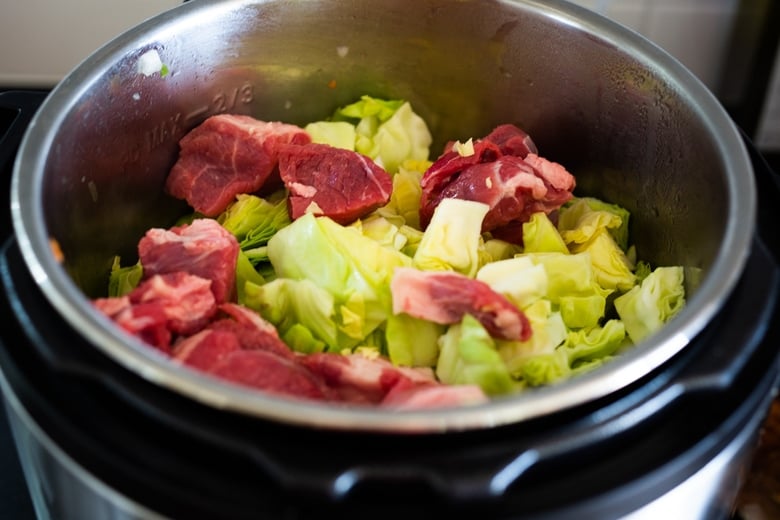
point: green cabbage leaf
(412, 341)
(453, 241)
(468, 356)
(387, 131)
(581, 351)
(648, 306)
(541, 236)
(549, 331)
(355, 269)
(122, 280)
(254, 220)
(581, 218)
(304, 314)
(339, 134)
(519, 279)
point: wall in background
(41, 41)
(731, 45)
(696, 32)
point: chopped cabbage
(298, 308)
(468, 356)
(452, 240)
(581, 218)
(355, 269)
(582, 350)
(254, 220)
(245, 272)
(339, 134)
(411, 341)
(568, 274)
(382, 230)
(519, 279)
(612, 268)
(583, 311)
(122, 280)
(387, 131)
(541, 236)
(647, 307)
(405, 197)
(497, 249)
(549, 332)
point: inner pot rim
(131, 353)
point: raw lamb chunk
(356, 378)
(203, 248)
(187, 299)
(206, 349)
(163, 306)
(511, 140)
(272, 373)
(227, 155)
(252, 330)
(338, 183)
(445, 297)
(149, 322)
(426, 396)
(505, 173)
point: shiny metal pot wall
(632, 124)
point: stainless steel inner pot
(630, 122)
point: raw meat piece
(338, 183)
(112, 306)
(252, 334)
(186, 299)
(206, 349)
(203, 248)
(356, 378)
(426, 396)
(504, 172)
(447, 166)
(242, 329)
(555, 176)
(249, 317)
(512, 187)
(445, 297)
(149, 322)
(161, 307)
(272, 373)
(511, 140)
(227, 155)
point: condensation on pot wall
(696, 32)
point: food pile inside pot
(342, 262)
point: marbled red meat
(206, 349)
(188, 300)
(504, 172)
(112, 306)
(511, 140)
(254, 338)
(238, 328)
(356, 378)
(445, 297)
(227, 155)
(447, 166)
(338, 183)
(202, 248)
(148, 322)
(163, 306)
(425, 396)
(272, 373)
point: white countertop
(42, 40)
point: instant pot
(106, 428)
